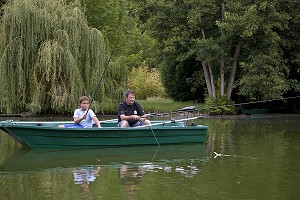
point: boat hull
(48, 135)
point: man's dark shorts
(138, 123)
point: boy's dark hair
(83, 98)
(128, 92)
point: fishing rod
(101, 78)
(252, 102)
(170, 121)
(185, 109)
(191, 109)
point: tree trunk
(207, 79)
(222, 53)
(211, 75)
(233, 70)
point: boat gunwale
(103, 128)
(45, 125)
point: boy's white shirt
(88, 121)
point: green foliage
(114, 20)
(146, 82)
(262, 80)
(157, 105)
(290, 42)
(52, 78)
(181, 80)
(50, 57)
(189, 33)
(167, 22)
(166, 105)
(219, 106)
(50, 48)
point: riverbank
(111, 108)
(168, 105)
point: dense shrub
(219, 106)
(146, 82)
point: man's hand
(143, 118)
(135, 117)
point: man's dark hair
(128, 92)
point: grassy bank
(151, 105)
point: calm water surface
(245, 157)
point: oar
(187, 109)
(169, 122)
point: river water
(244, 157)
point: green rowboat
(38, 135)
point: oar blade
(187, 109)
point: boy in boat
(83, 116)
(130, 113)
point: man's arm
(130, 117)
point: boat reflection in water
(31, 160)
(131, 163)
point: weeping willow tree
(49, 57)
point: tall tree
(114, 20)
(290, 42)
(50, 57)
(236, 42)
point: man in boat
(130, 113)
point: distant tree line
(238, 49)
(219, 51)
(234, 49)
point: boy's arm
(78, 119)
(95, 119)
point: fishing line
(154, 135)
(252, 102)
(155, 153)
